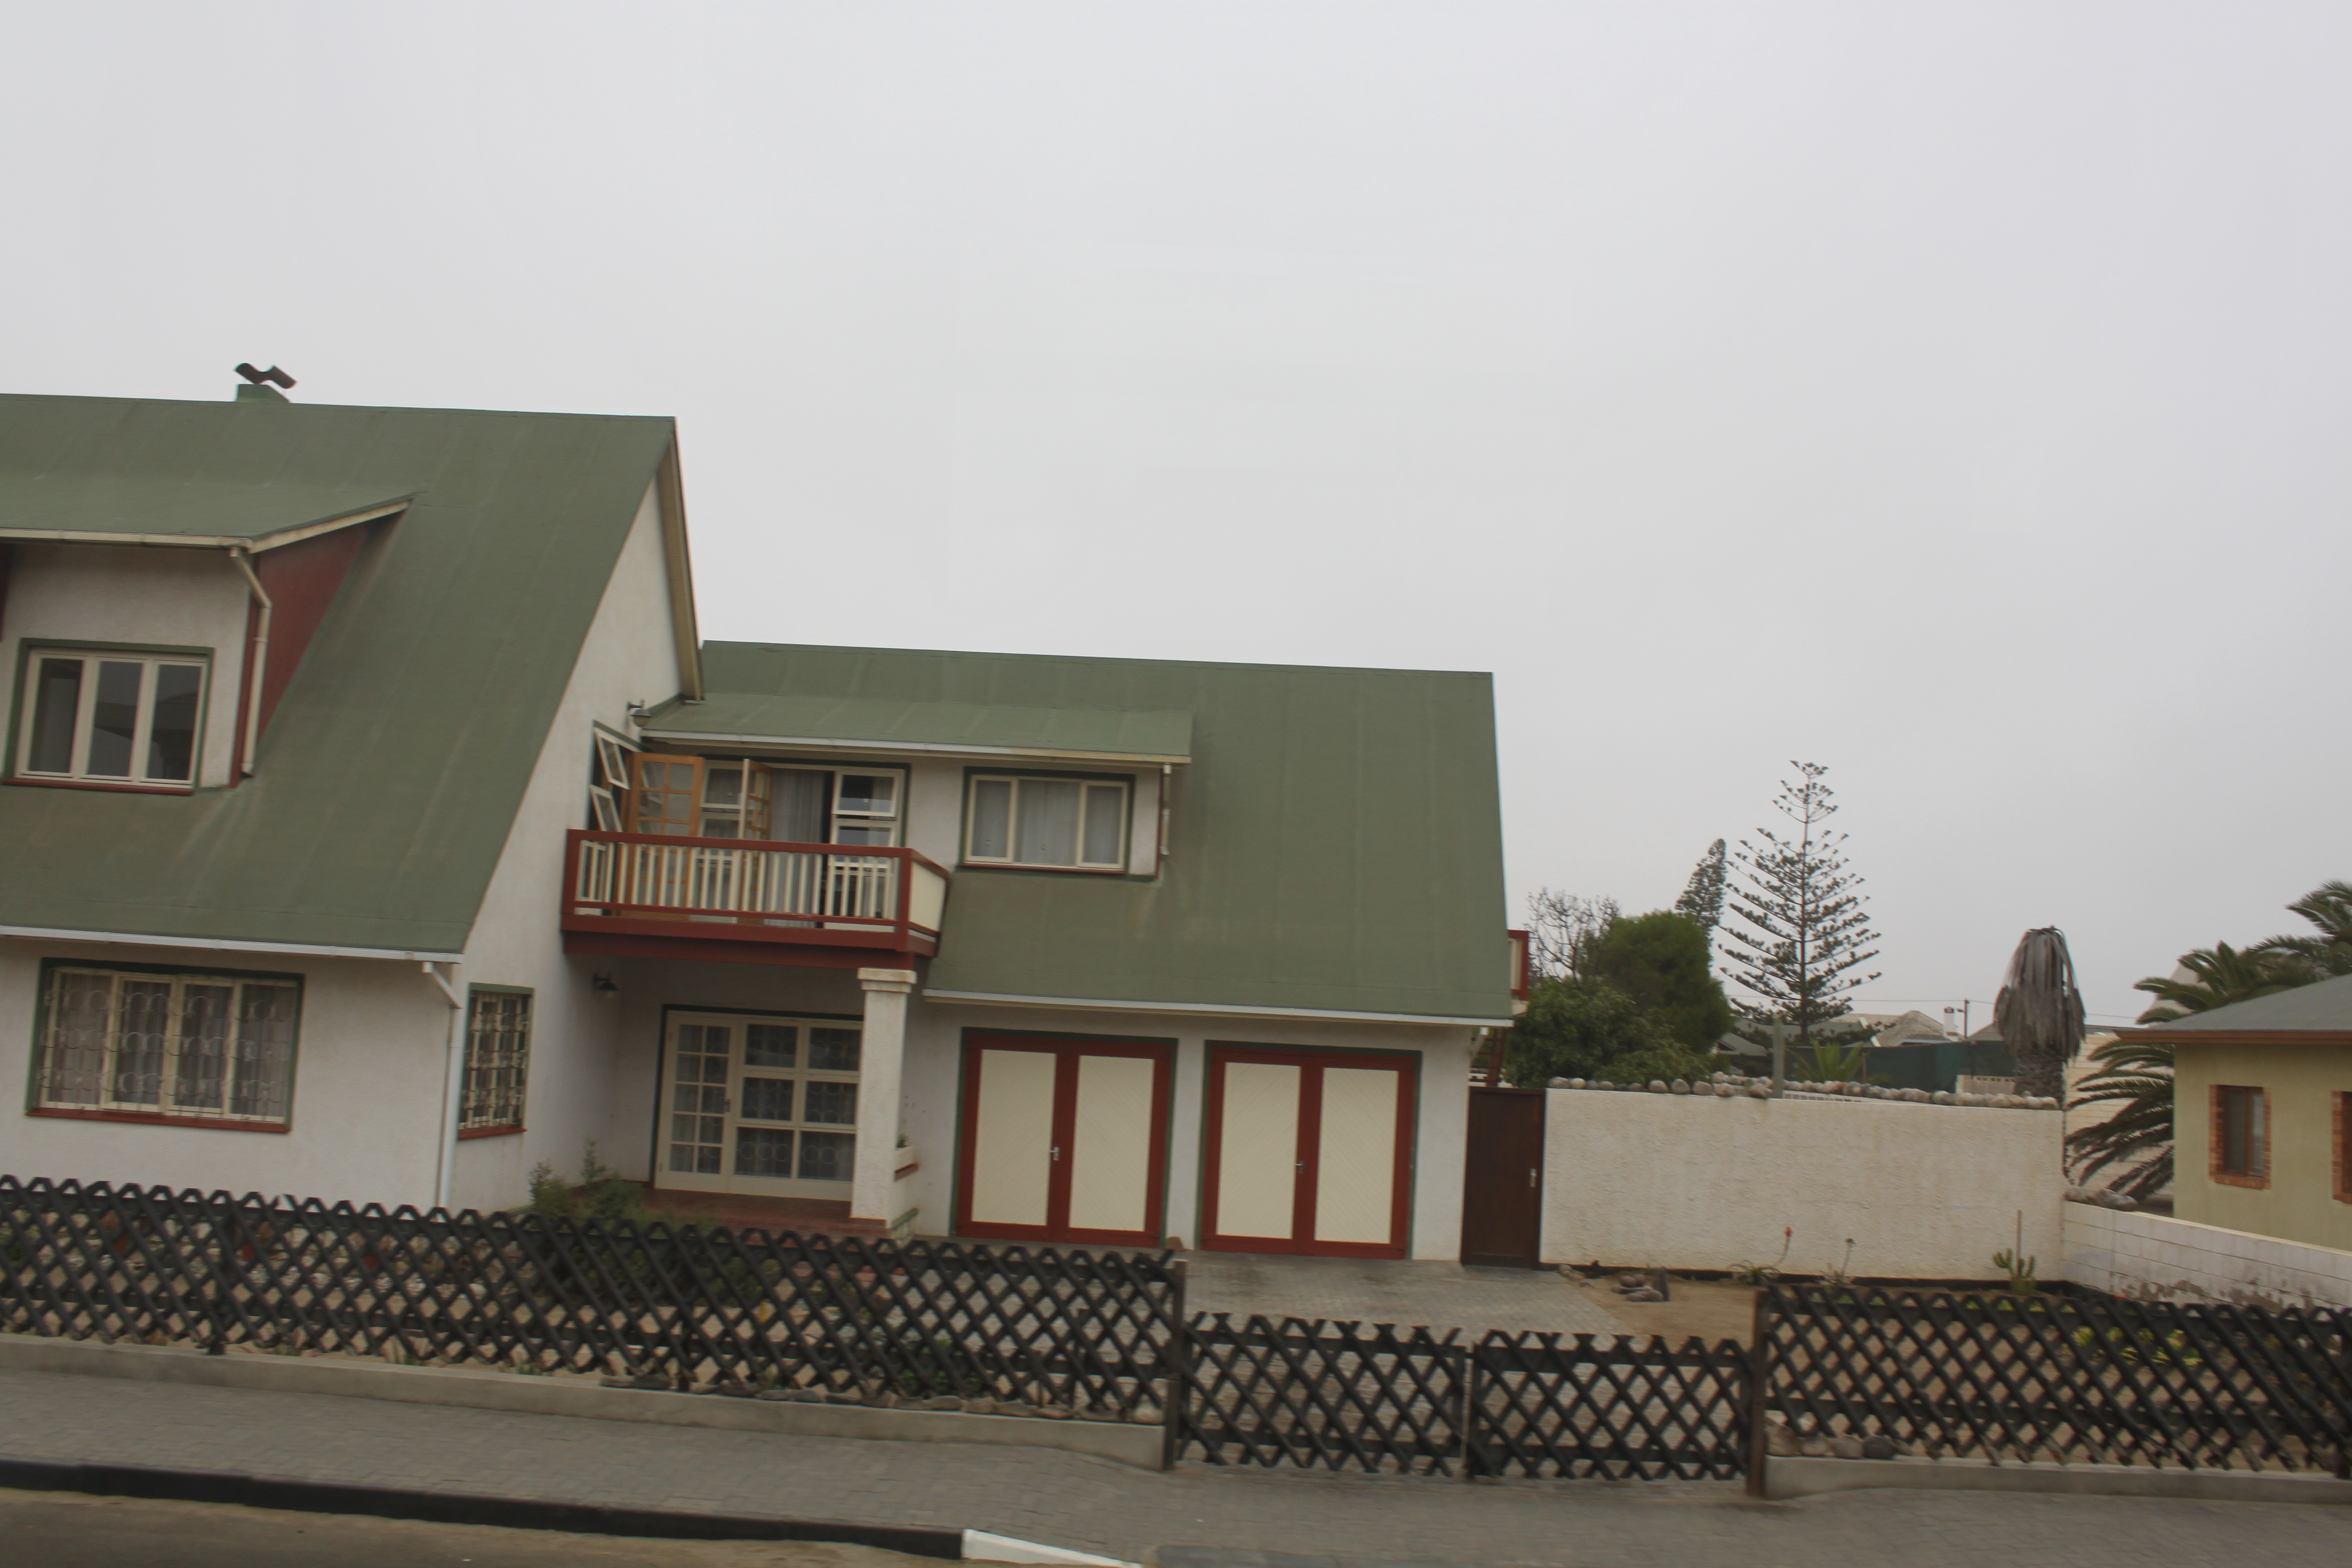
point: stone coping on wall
(1733, 1086)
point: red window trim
(2215, 1140)
(159, 1119)
(101, 784)
(2343, 1145)
(466, 1132)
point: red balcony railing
(752, 889)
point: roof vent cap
(259, 388)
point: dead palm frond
(2137, 1075)
(2039, 1011)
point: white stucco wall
(367, 1075)
(135, 595)
(1927, 1192)
(630, 654)
(2148, 1257)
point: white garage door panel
(1258, 1153)
(1111, 1178)
(1012, 1160)
(1355, 1191)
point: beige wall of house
(134, 596)
(1927, 1192)
(366, 1088)
(2300, 1084)
(629, 655)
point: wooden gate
(1502, 1178)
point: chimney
(258, 387)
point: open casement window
(169, 1047)
(498, 1062)
(819, 805)
(734, 800)
(110, 718)
(608, 782)
(1051, 823)
(665, 794)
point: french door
(1307, 1151)
(758, 1104)
(1064, 1141)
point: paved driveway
(1437, 1294)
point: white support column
(881, 1055)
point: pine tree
(1702, 899)
(1802, 930)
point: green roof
(2325, 1005)
(175, 509)
(1336, 842)
(392, 769)
(831, 718)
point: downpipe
(445, 1166)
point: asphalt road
(67, 1530)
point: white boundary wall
(2150, 1256)
(1927, 1192)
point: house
(2261, 1118)
(376, 826)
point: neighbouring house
(2261, 1118)
(374, 825)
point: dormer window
(1049, 824)
(124, 719)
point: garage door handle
(1531, 1175)
(1058, 1151)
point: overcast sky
(1955, 396)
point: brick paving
(1192, 1518)
(1435, 1295)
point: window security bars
(732, 1311)
(498, 1061)
(177, 1047)
(2077, 1380)
(1371, 1397)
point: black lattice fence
(1372, 1398)
(741, 1311)
(2070, 1379)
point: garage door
(1062, 1141)
(1309, 1151)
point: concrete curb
(1124, 1442)
(1796, 1478)
(459, 1508)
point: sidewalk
(1195, 1518)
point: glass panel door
(758, 1104)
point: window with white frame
(110, 718)
(1052, 823)
(498, 1061)
(153, 1045)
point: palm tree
(2137, 1074)
(2329, 907)
(2040, 1012)
(2219, 975)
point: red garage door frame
(1065, 1050)
(1406, 1065)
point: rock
(804, 1396)
(1014, 1407)
(1759, 1090)
(1778, 1441)
(1879, 1445)
(1942, 1097)
(1813, 1445)
(1723, 1092)
(1657, 1086)
(1145, 1415)
(942, 1402)
(644, 1380)
(980, 1407)
(1560, 1083)
(1576, 1083)
(1679, 1087)
(2111, 1199)
(1843, 1448)
(1602, 1083)
(733, 1389)
(1056, 1412)
(1644, 1294)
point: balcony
(644, 895)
